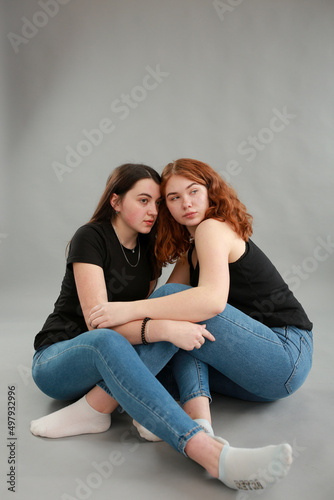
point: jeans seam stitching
(131, 395)
(249, 330)
(296, 365)
(197, 429)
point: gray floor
(119, 463)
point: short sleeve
(88, 246)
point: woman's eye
(143, 200)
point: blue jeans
(68, 369)
(248, 360)
(186, 377)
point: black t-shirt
(258, 290)
(97, 243)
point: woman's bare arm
(91, 289)
(213, 240)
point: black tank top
(258, 290)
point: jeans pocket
(303, 362)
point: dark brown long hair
(173, 239)
(120, 181)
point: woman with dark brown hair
(85, 351)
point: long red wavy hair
(173, 239)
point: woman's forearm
(154, 331)
(131, 331)
(183, 334)
(195, 304)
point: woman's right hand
(183, 334)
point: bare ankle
(98, 399)
(205, 451)
(198, 408)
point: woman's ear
(115, 201)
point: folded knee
(105, 339)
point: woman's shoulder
(213, 234)
(94, 227)
(92, 232)
(89, 240)
(214, 226)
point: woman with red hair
(262, 347)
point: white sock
(145, 433)
(254, 469)
(77, 418)
(149, 436)
(205, 424)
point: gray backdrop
(244, 85)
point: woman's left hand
(109, 314)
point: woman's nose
(186, 202)
(153, 209)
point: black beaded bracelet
(143, 339)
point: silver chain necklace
(133, 251)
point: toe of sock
(256, 468)
(37, 429)
(145, 433)
(287, 453)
